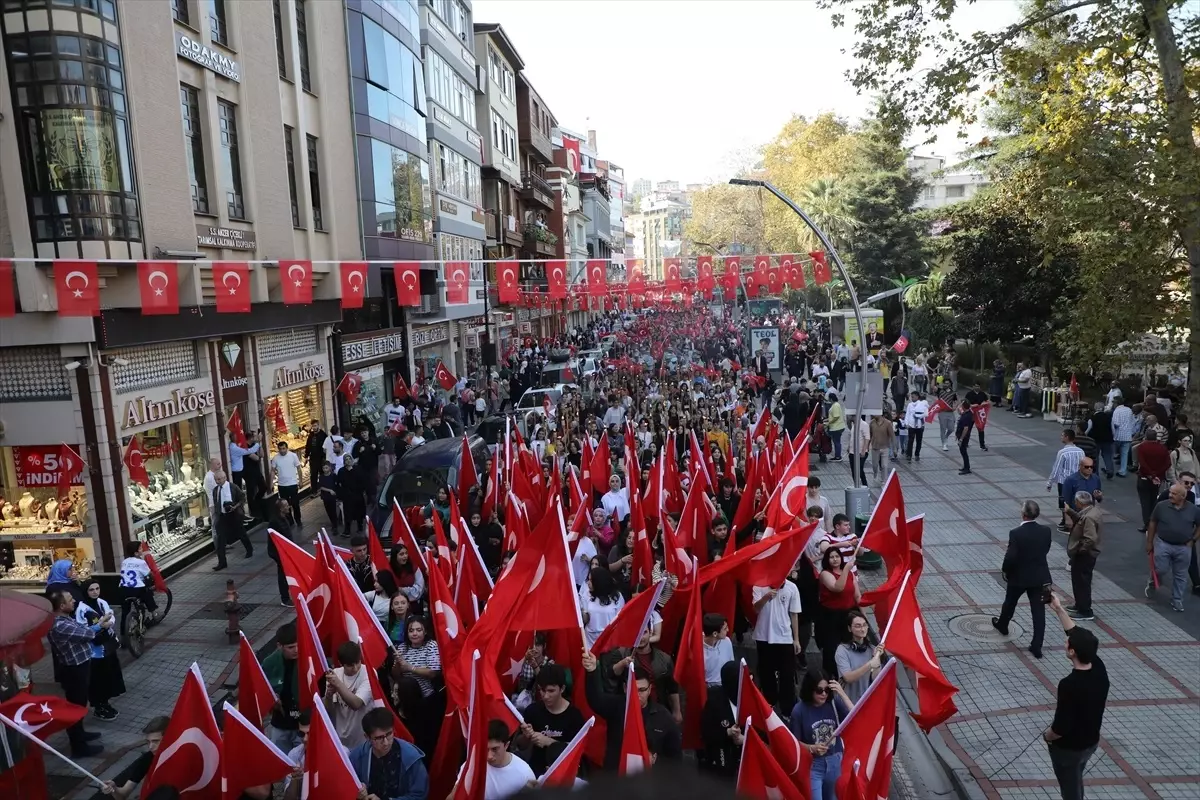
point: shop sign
(379, 347)
(525, 328)
(232, 368)
(141, 411)
(446, 207)
(472, 341)
(225, 238)
(304, 372)
(433, 334)
(41, 465)
(207, 57)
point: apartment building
(944, 187)
(496, 107)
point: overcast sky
(677, 88)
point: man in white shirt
(616, 499)
(813, 497)
(506, 774)
(914, 420)
(777, 637)
(393, 412)
(333, 437)
(348, 695)
(1024, 381)
(615, 415)
(285, 470)
(718, 650)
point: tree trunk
(1181, 112)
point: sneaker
(104, 712)
(1064, 528)
(1079, 616)
(1177, 607)
(1149, 590)
(1071, 609)
(287, 604)
(945, 448)
(964, 472)
(1003, 629)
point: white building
(945, 187)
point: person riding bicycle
(134, 572)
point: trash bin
(866, 559)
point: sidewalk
(193, 632)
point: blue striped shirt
(1066, 464)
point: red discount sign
(43, 465)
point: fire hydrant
(233, 611)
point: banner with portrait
(765, 342)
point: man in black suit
(1027, 572)
(228, 504)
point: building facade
(942, 187)
(132, 131)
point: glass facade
(403, 202)
(72, 124)
(43, 512)
(395, 82)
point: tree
(724, 215)
(1114, 67)
(825, 203)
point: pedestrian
(1171, 535)
(366, 454)
(348, 696)
(351, 494)
(858, 662)
(329, 486)
(282, 672)
(106, 680)
(1183, 459)
(228, 504)
(1122, 429)
(1074, 734)
(1085, 480)
(836, 424)
(722, 737)
(1083, 547)
(914, 421)
(1101, 431)
(285, 470)
(71, 646)
(1023, 383)
(883, 439)
(1154, 461)
(946, 419)
(838, 594)
(1066, 463)
(966, 423)
(1027, 573)
(280, 522)
(859, 449)
(777, 640)
(814, 721)
(977, 397)
(134, 572)
(237, 455)
(314, 450)
(386, 766)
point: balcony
(512, 233)
(541, 240)
(490, 225)
(537, 141)
(536, 188)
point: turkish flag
(775, 280)
(565, 768)
(231, 287)
(379, 559)
(760, 776)
(295, 278)
(671, 271)
(158, 283)
(689, 670)
(755, 714)
(473, 776)
(190, 753)
(358, 622)
(506, 281)
(354, 283)
(634, 617)
(788, 501)
(77, 287)
(868, 736)
(455, 274)
(821, 272)
(886, 532)
(543, 563)
(259, 762)
(472, 584)
(255, 697)
(556, 279)
(635, 752)
(135, 462)
(733, 274)
(8, 290)
(68, 463)
(408, 283)
(596, 280)
(39, 715)
(350, 385)
(445, 557)
(274, 413)
(399, 387)
(753, 285)
(939, 405)
(160, 585)
(907, 638)
(704, 272)
(600, 468)
(637, 278)
(980, 411)
(235, 428)
(764, 563)
(402, 534)
(902, 343)
(793, 273)
(296, 563)
(492, 497)
(676, 559)
(762, 270)
(327, 770)
(311, 663)
(444, 376)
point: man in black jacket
(1027, 572)
(228, 506)
(662, 732)
(314, 450)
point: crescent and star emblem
(799, 481)
(19, 717)
(72, 274)
(237, 281)
(410, 279)
(210, 756)
(291, 271)
(150, 281)
(355, 273)
(449, 618)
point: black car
(419, 473)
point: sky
(682, 89)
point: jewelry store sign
(306, 372)
(207, 57)
(142, 410)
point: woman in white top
(381, 598)
(107, 680)
(920, 375)
(603, 603)
(616, 499)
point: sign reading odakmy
(207, 57)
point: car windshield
(534, 399)
(412, 488)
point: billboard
(765, 341)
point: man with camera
(228, 504)
(1027, 572)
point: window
(396, 83)
(403, 203)
(193, 135)
(230, 162)
(289, 150)
(457, 175)
(508, 84)
(448, 89)
(181, 12)
(461, 24)
(280, 54)
(493, 64)
(217, 22)
(955, 191)
(302, 39)
(930, 193)
(504, 138)
(314, 183)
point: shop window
(43, 513)
(171, 514)
(289, 414)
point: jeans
(836, 436)
(1173, 560)
(858, 464)
(825, 772)
(1122, 456)
(1106, 453)
(1068, 768)
(946, 427)
(1082, 565)
(901, 445)
(1021, 400)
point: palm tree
(824, 203)
(927, 292)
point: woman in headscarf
(718, 725)
(62, 579)
(106, 681)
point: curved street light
(858, 315)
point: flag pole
(891, 664)
(49, 749)
(892, 616)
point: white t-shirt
(581, 565)
(287, 468)
(774, 624)
(599, 617)
(616, 503)
(826, 510)
(1024, 378)
(392, 413)
(346, 720)
(506, 781)
(328, 445)
(134, 572)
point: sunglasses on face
(821, 690)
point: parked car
(417, 476)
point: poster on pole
(873, 317)
(765, 342)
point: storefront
(430, 345)
(43, 512)
(293, 376)
(234, 386)
(377, 358)
(470, 356)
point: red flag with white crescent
(408, 283)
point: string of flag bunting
(77, 282)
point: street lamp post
(862, 327)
